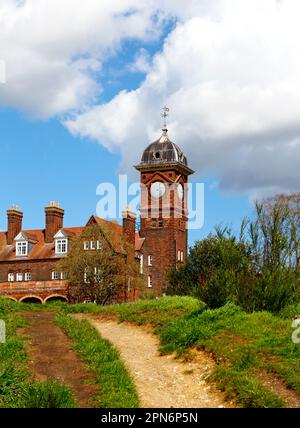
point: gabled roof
(26, 236)
(42, 250)
(69, 232)
(112, 225)
(114, 229)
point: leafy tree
(258, 270)
(103, 273)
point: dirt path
(162, 381)
(51, 357)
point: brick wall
(164, 236)
(41, 270)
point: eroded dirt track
(162, 381)
(51, 357)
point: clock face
(157, 189)
(180, 191)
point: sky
(85, 83)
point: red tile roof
(42, 250)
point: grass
(48, 395)
(157, 312)
(291, 311)
(17, 389)
(244, 345)
(116, 388)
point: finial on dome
(165, 114)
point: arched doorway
(56, 298)
(31, 299)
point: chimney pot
(129, 219)
(54, 220)
(14, 223)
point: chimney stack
(129, 219)
(14, 223)
(54, 220)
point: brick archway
(10, 298)
(56, 296)
(32, 298)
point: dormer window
(61, 246)
(22, 249)
(61, 243)
(22, 245)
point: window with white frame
(99, 245)
(149, 281)
(150, 260)
(55, 275)
(61, 246)
(19, 277)
(181, 256)
(86, 245)
(93, 245)
(22, 248)
(27, 276)
(11, 277)
(63, 275)
(142, 264)
(178, 255)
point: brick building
(28, 258)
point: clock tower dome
(164, 175)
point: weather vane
(165, 114)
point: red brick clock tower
(164, 175)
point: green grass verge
(116, 388)
(17, 389)
(243, 344)
(154, 311)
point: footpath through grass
(116, 388)
(249, 349)
(17, 388)
(245, 346)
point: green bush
(260, 270)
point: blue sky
(50, 164)
(83, 97)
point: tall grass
(17, 387)
(48, 395)
(116, 388)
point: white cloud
(231, 75)
(142, 62)
(52, 49)
(230, 72)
